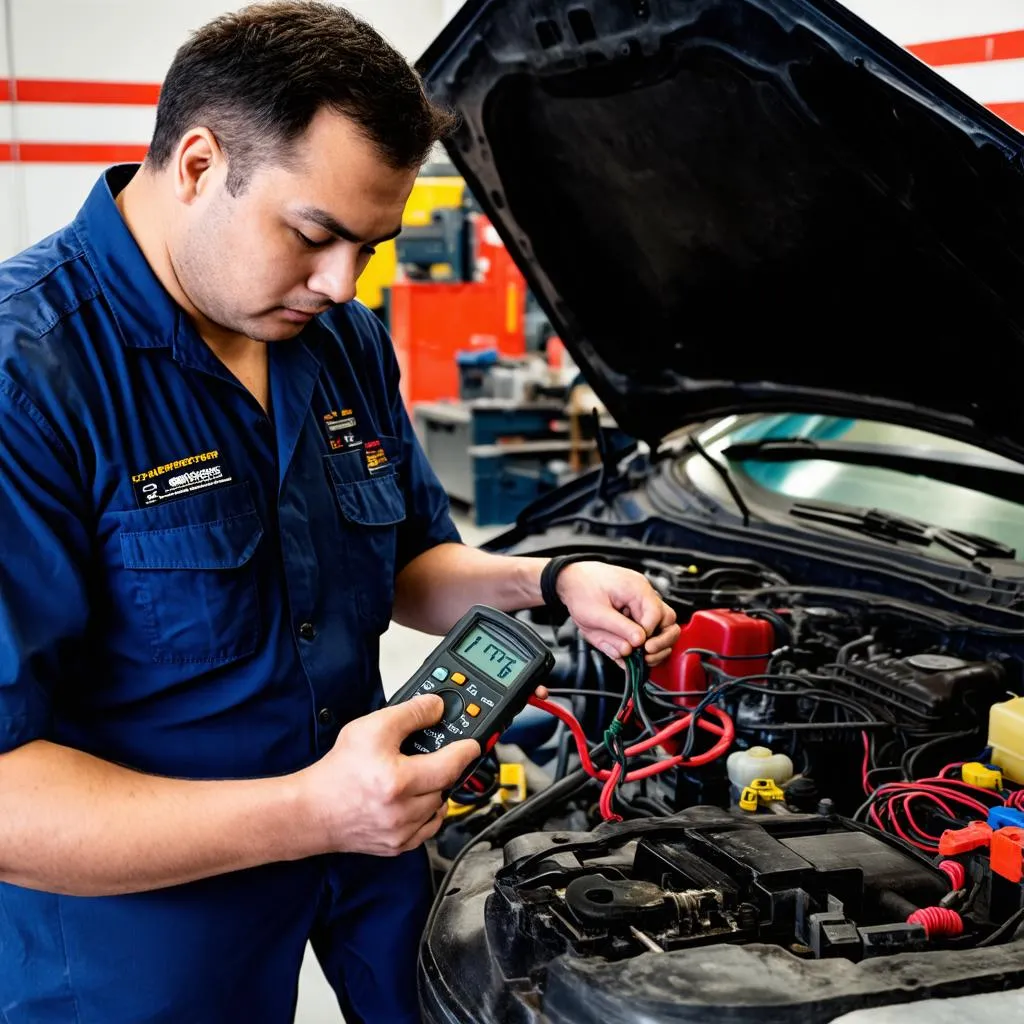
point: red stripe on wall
(5, 90)
(71, 153)
(971, 49)
(42, 90)
(1013, 113)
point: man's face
(294, 242)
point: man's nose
(336, 275)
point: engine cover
(704, 915)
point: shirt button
(325, 717)
(307, 631)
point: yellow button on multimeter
(492, 664)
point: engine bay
(801, 810)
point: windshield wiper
(988, 476)
(882, 525)
(723, 472)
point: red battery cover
(724, 632)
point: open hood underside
(740, 205)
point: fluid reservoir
(1006, 738)
(744, 766)
(736, 643)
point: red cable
(939, 922)
(924, 786)
(956, 872)
(866, 765)
(949, 768)
(925, 837)
(724, 729)
(898, 829)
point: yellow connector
(977, 774)
(512, 783)
(748, 799)
(760, 793)
(767, 790)
(456, 810)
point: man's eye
(309, 243)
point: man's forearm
(437, 587)
(72, 823)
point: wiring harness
(633, 708)
(918, 811)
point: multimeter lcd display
(493, 658)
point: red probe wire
(723, 729)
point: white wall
(114, 41)
(132, 41)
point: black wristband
(549, 577)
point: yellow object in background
(511, 790)
(1006, 738)
(976, 774)
(428, 194)
(513, 784)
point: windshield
(932, 501)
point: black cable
(909, 758)
(814, 727)
(562, 752)
(602, 684)
(564, 736)
(637, 667)
(1004, 929)
(704, 652)
(783, 630)
(565, 692)
(741, 683)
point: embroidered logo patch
(180, 478)
(376, 457)
(341, 430)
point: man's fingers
(441, 769)
(400, 720)
(663, 641)
(624, 632)
(427, 830)
(608, 643)
(653, 660)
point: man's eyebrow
(328, 223)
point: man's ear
(198, 161)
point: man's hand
(617, 610)
(367, 797)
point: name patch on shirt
(180, 478)
(376, 457)
(341, 430)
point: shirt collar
(146, 314)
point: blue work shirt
(191, 588)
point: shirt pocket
(190, 573)
(372, 507)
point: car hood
(741, 205)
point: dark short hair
(256, 78)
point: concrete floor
(402, 652)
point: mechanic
(213, 503)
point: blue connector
(1002, 817)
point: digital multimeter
(484, 670)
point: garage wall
(978, 46)
(78, 87)
(79, 79)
